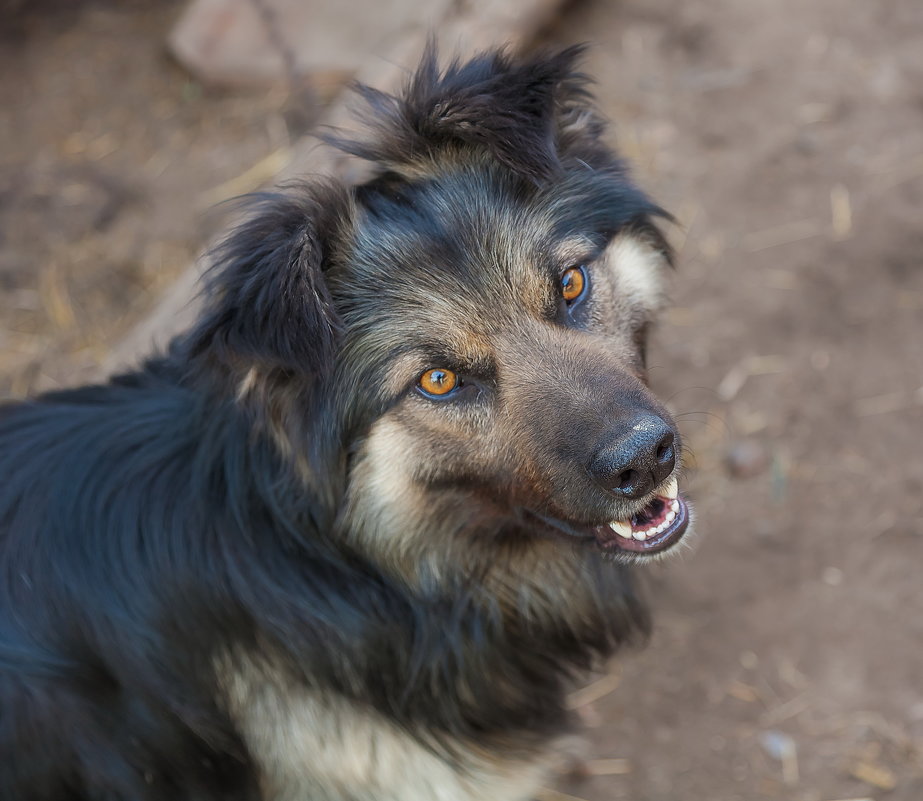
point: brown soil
(109, 155)
(787, 137)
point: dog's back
(96, 488)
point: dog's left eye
(438, 383)
(573, 284)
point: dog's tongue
(657, 526)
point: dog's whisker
(712, 420)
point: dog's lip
(659, 525)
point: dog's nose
(634, 463)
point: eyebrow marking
(638, 270)
(575, 249)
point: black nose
(634, 463)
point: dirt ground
(787, 137)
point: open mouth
(655, 528)
(658, 526)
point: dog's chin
(648, 533)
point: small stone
(832, 576)
(746, 458)
(749, 660)
(777, 744)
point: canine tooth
(671, 489)
(622, 529)
(675, 506)
(671, 516)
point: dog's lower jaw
(308, 743)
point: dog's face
(492, 289)
(497, 330)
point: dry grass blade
(781, 235)
(737, 376)
(853, 799)
(743, 692)
(881, 404)
(876, 775)
(593, 692)
(608, 767)
(840, 212)
(547, 794)
(56, 299)
(263, 172)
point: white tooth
(670, 489)
(662, 527)
(639, 535)
(671, 516)
(675, 506)
(621, 528)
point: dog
(356, 533)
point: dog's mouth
(653, 529)
(656, 527)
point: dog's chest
(311, 745)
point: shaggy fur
(266, 565)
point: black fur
(493, 103)
(151, 524)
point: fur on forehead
(527, 114)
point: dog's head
(468, 330)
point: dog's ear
(579, 126)
(267, 344)
(527, 113)
(267, 304)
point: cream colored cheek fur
(638, 269)
(388, 491)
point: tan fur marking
(247, 383)
(402, 371)
(471, 346)
(310, 744)
(388, 495)
(276, 399)
(573, 251)
(639, 271)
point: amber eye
(438, 382)
(573, 282)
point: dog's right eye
(573, 285)
(438, 383)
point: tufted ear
(526, 113)
(267, 304)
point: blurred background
(787, 138)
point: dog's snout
(635, 462)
